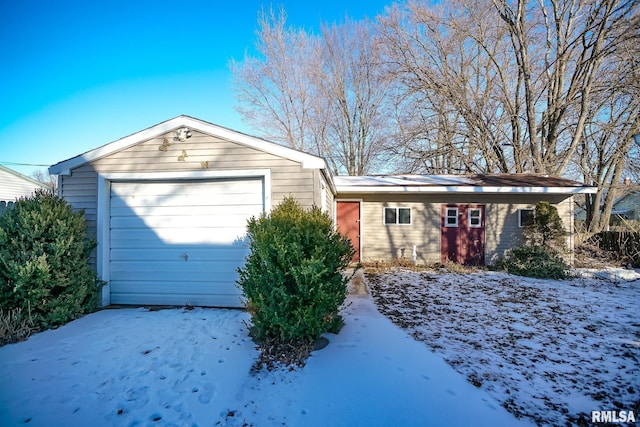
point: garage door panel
(187, 188)
(147, 238)
(145, 201)
(221, 209)
(237, 221)
(175, 286)
(177, 243)
(177, 252)
(209, 299)
(162, 269)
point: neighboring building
(627, 207)
(14, 185)
(169, 205)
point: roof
(479, 183)
(307, 160)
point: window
(451, 217)
(397, 216)
(475, 217)
(525, 217)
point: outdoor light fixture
(182, 134)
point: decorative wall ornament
(165, 145)
(182, 134)
(204, 165)
(182, 156)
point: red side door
(348, 220)
(463, 232)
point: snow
(462, 349)
(551, 351)
(182, 367)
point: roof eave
(342, 189)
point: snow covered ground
(550, 351)
(134, 367)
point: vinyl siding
(387, 242)
(13, 186)
(203, 152)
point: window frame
(396, 209)
(469, 222)
(447, 216)
(520, 211)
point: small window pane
(389, 215)
(404, 216)
(475, 219)
(526, 217)
(451, 219)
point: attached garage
(169, 207)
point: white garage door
(180, 242)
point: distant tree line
(457, 86)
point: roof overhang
(345, 189)
(464, 184)
(307, 161)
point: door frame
(335, 221)
(462, 227)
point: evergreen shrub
(44, 261)
(293, 281)
(533, 261)
(541, 254)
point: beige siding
(198, 153)
(386, 242)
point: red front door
(348, 220)
(463, 234)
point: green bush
(540, 255)
(293, 280)
(533, 261)
(546, 229)
(44, 265)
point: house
(168, 206)
(15, 185)
(626, 207)
(467, 219)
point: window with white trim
(525, 217)
(397, 216)
(451, 217)
(475, 217)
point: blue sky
(78, 74)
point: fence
(4, 206)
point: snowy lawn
(549, 351)
(134, 367)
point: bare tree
(44, 177)
(324, 93)
(519, 86)
(275, 92)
